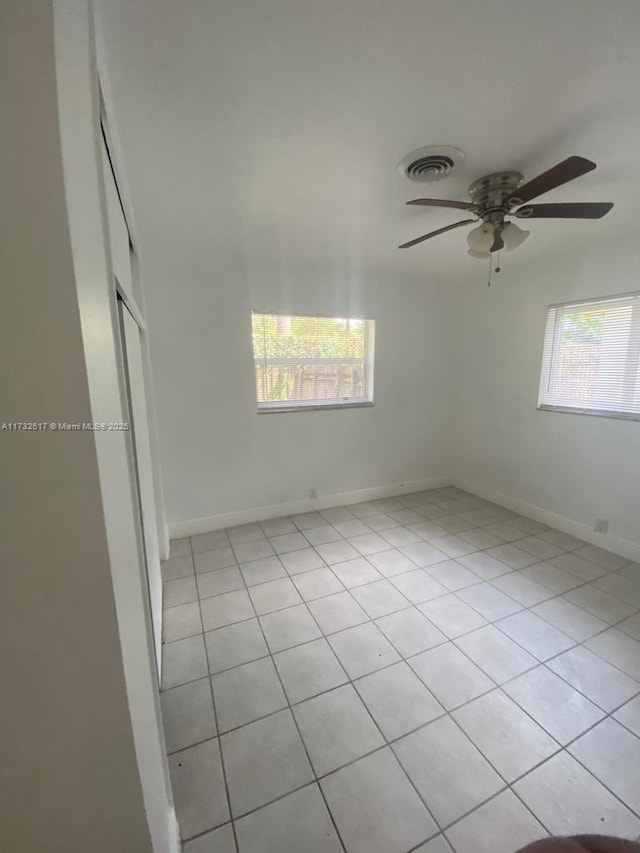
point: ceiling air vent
(431, 164)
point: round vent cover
(431, 164)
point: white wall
(220, 456)
(576, 466)
(68, 775)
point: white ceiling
(271, 129)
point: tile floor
(424, 673)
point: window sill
(598, 413)
(316, 407)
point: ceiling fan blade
(435, 233)
(443, 202)
(572, 167)
(570, 210)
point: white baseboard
(623, 547)
(178, 529)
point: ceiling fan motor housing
(492, 193)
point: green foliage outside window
(307, 337)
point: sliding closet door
(139, 429)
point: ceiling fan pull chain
(498, 262)
(490, 271)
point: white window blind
(591, 359)
(311, 362)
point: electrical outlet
(313, 494)
(602, 525)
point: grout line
(218, 738)
(295, 722)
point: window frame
(550, 344)
(330, 403)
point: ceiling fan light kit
(494, 196)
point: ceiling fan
(494, 196)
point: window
(311, 362)
(591, 360)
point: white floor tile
(304, 560)
(410, 632)
(181, 621)
(283, 544)
(274, 595)
(568, 617)
(337, 612)
(299, 821)
(180, 591)
(263, 761)
(219, 840)
(452, 575)
(598, 602)
(605, 685)
(336, 729)
(612, 753)
(309, 669)
(262, 571)
(369, 543)
(484, 565)
(568, 800)
(575, 565)
(277, 526)
(512, 556)
(176, 568)
(452, 616)
(522, 589)
(556, 706)
(198, 788)
(234, 645)
(316, 584)
(619, 650)
(179, 548)
(225, 609)
(363, 649)
(552, 577)
(247, 552)
(489, 601)
(356, 572)
(423, 554)
(499, 826)
(219, 558)
(219, 582)
(187, 714)
(322, 535)
(398, 701)
(289, 627)
(417, 586)
(504, 734)
(538, 637)
(375, 807)
(450, 676)
(379, 598)
(629, 715)
(245, 533)
(209, 541)
(631, 626)
(182, 661)
(247, 693)
(611, 562)
(392, 562)
(450, 774)
(337, 552)
(495, 653)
